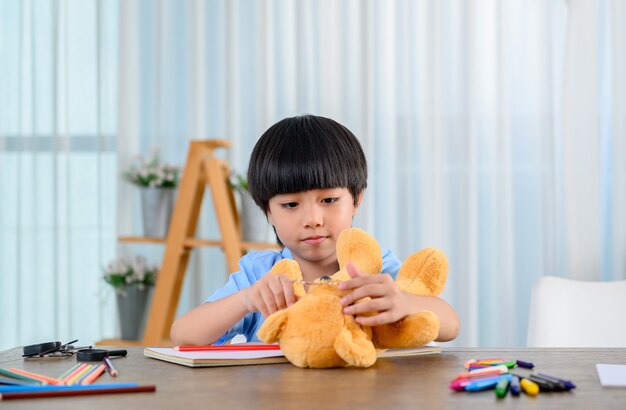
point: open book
(247, 356)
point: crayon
(502, 387)
(529, 387)
(514, 386)
(526, 365)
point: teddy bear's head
(314, 332)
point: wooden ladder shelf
(201, 169)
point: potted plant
(158, 182)
(133, 280)
(254, 224)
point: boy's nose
(313, 217)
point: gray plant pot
(132, 307)
(254, 224)
(156, 210)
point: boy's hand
(386, 299)
(269, 294)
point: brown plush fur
(315, 333)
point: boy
(307, 174)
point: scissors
(51, 349)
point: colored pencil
(50, 380)
(49, 387)
(76, 392)
(109, 366)
(74, 379)
(93, 368)
(69, 371)
(15, 382)
(74, 372)
(21, 376)
(228, 347)
(93, 375)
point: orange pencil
(41, 377)
(93, 375)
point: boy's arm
(206, 323)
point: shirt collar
(286, 253)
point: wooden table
(419, 382)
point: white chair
(572, 313)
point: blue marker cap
(515, 387)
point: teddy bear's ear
(358, 246)
(292, 270)
(424, 272)
(271, 330)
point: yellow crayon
(530, 388)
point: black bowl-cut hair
(305, 152)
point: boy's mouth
(314, 239)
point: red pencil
(77, 392)
(228, 347)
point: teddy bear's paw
(355, 351)
(357, 246)
(413, 331)
(424, 272)
(273, 327)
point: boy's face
(309, 223)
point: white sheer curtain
(494, 129)
(58, 171)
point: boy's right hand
(269, 294)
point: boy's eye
(330, 200)
(289, 205)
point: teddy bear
(314, 332)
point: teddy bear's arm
(272, 328)
(413, 331)
(353, 344)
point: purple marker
(526, 365)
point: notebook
(210, 358)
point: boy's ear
(358, 203)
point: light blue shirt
(253, 266)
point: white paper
(612, 375)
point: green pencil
(18, 376)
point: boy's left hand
(387, 301)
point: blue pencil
(14, 389)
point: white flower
(122, 272)
(152, 172)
